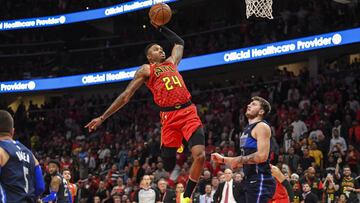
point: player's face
(53, 168)
(253, 109)
(156, 53)
(67, 175)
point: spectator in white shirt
(299, 128)
(337, 142)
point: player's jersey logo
(162, 69)
(243, 139)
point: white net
(260, 8)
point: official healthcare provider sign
(192, 63)
(94, 14)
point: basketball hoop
(260, 8)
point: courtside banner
(76, 17)
(221, 58)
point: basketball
(160, 14)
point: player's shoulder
(263, 124)
(143, 70)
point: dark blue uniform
(17, 177)
(259, 184)
(63, 194)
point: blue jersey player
(59, 190)
(255, 148)
(21, 178)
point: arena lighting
(220, 58)
(76, 17)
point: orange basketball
(160, 14)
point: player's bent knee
(199, 156)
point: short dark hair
(6, 122)
(54, 161)
(65, 169)
(148, 47)
(265, 105)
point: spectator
(113, 174)
(205, 180)
(97, 199)
(119, 189)
(299, 128)
(292, 159)
(146, 194)
(313, 182)
(238, 177)
(160, 172)
(103, 193)
(354, 133)
(317, 155)
(229, 191)
(348, 185)
(179, 190)
(136, 172)
(306, 161)
(167, 195)
(207, 197)
(353, 158)
(330, 189)
(214, 185)
(337, 143)
(308, 196)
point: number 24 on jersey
(170, 82)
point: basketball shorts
(260, 188)
(177, 125)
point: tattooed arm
(262, 134)
(140, 77)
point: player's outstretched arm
(262, 134)
(178, 49)
(141, 75)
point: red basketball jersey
(167, 85)
(281, 195)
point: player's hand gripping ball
(160, 14)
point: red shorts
(177, 125)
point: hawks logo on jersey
(167, 85)
(162, 69)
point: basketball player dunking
(178, 115)
(255, 148)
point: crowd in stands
(315, 123)
(56, 51)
